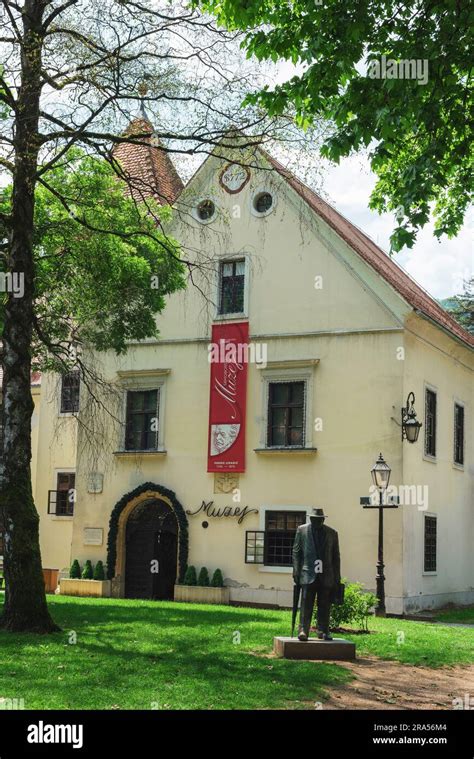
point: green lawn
(160, 655)
(463, 616)
(418, 643)
(144, 655)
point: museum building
(278, 377)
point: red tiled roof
(147, 166)
(374, 256)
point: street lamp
(410, 424)
(381, 477)
(381, 474)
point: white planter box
(96, 588)
(199, 595)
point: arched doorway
(151, 549)
(148, 493)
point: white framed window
(430, 544)
(142, 418)
(62, 496)
(275, 536)
(459, 422)
(263, 201)
(431, 423)
(286, 414)
(143, 412)
(69, 393)
(232, 287)
(205, 210)
(287, 408)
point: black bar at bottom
(373, 733)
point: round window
(206, 210)
(263, 202)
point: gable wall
(287, 251)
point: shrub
(203, 579)
(356, 609)
(87, 572)
(190, 577)
(99, 573)
(217, 579)
(75, 571)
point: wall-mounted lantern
(410, 424)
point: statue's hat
(318, 513)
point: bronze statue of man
(317, 569)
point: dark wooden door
(151, 552)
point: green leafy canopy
(103, 264)
(462, 306)
(418, 135)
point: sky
(438, 266)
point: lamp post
(380, 476)
(410, 424)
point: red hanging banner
(227, 405)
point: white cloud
(439, 267)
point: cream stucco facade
(325, 317)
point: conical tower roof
(148, 168)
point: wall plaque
(95, 482)
(93, 536)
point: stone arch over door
(116, 544)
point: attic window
(206, 210)
(263, 202)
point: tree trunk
(25, 602)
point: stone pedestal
(313, 648)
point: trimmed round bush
(75, 571)
(190, 577)
(99, 573)
(203, 579)
(87, 572)
(217, 579)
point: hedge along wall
(183, 544)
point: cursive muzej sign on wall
(239, 512)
